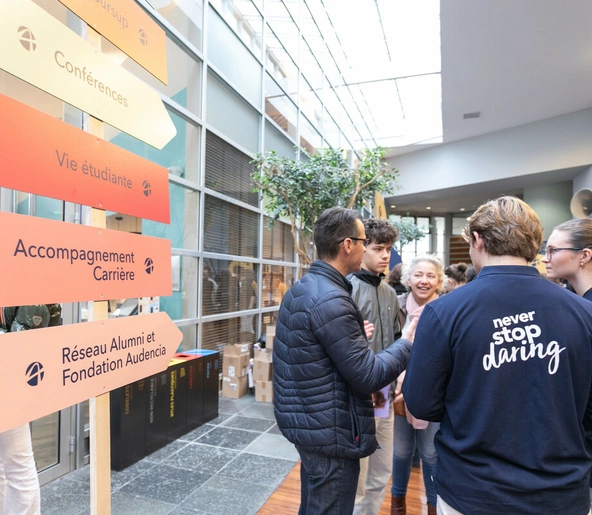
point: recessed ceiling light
(393, 206)
(462, 208)
(428, 207)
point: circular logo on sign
(143, 37)
(34, 373)
(149, 265)
(147, 188)
(26, 38)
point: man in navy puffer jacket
(325, 371)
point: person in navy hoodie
(505, 364)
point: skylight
(388, 52)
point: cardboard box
(235, 387)
(269, 336)
(235, 366)
(263, 366)
(238, 349)
(263, 391)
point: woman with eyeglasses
(569, 255)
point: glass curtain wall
(244, 76)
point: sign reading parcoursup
(128, 27)
(48, 261)
(47, 370)
(40, 50)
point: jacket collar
(368, 277)
(325, 269)
(508, 270)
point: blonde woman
(569, 255)
(423, 278)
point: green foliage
(408, 232)
(302, 190)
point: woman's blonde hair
(579, 232)
(430, 258)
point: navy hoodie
(505, 363)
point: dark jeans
(328, 485)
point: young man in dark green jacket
(378, 303)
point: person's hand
(398, 387)
(409, 330)
(378, 399)
(369, 329)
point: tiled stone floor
(228, 466)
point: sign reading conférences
(42, 51)
(45, 156)
(46, 370)
(53, 261)
(128, 27)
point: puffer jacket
(324, 369)
(378, 303)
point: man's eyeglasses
(364, 241)
(550, 251)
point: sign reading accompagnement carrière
(43, 372)
(53, 261)
(40, 50)
(44, 156)
(128, 27)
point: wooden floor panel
(286, 499)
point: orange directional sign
(42, 155)
(42, 51)
(53, 261)
(128, 27)
(46, 370)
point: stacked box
(236, 360)
(263, 365)
(263, 375)
(269, 336)
(263, 391)
(235, 382)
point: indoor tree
(301, 190)
(408, 231)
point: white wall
(552, 144)
(551, 203)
